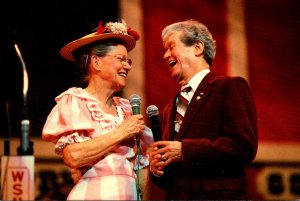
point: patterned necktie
(183, 101)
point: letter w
(17, 176)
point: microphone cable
(139, 194)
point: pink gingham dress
(76, 118)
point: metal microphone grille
(135, 100)
(152, 110)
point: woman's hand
(132, 126)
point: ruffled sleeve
(68, 122)
(146, 139)
(145, 142)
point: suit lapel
(170, 114)
(200, 96)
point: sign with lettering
(17, 177)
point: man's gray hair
(193, 31)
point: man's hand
(162, 154)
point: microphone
(135, 102)
(152, 112)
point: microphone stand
(8, 136)
(138, 167)
(26, 146)
(136, 110)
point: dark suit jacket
(219, 137)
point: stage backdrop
(258, 40)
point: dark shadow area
(41, 29)
(54, 186)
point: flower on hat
(117, 28)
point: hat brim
(67, 50)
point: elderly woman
(94, 130)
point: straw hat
(111, 30)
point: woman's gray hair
(193, 31)
(83, 56)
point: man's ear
(199, 48)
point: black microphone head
(152, 110)
(135, 100)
